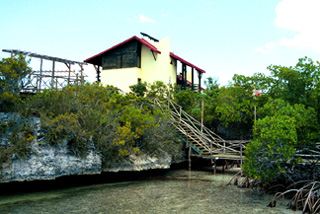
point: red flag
(256, 93)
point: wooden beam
(62, 77)
(50, 71)
(154, 56)
(30, 54)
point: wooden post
(52, 74)
(184, 75)
(40, 75)
(57, 80)
(69, 72)
(199, 76)
(202, 113)
(97, 67)
(192, 79)
(254, 106)
(189, 157)
(81, 74)
(77, 79)
(241, 158)
(189, 164)
(211, 158)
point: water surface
(172, 193)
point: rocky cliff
(47, 162)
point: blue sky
(223, 37)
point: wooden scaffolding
(41, 79)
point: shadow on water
(106, 177)
(78, 181)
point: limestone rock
(140, 163)
(47, 162)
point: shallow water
(172, 193)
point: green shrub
(94, 116)
(12, 72)
(275, 139)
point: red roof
(96, 59)
(186, 62)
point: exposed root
(242, 181)
(306, 198)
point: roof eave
(174, 56)
(142, 41)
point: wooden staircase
(203, 142)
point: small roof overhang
(96, 59)
(183, 61)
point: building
(144, 59)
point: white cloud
(266, 48)
(145, 19)
(302, 17)
(298, 15)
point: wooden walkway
(202, 141)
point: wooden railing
(205, 142)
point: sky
(223, 37)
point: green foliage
(76, 115)
(139, 89)
(95, 116)
(117, 125)
(305, 118)
(160, 90)
(273, 146)
(66, 128)
(234, 105)
(188, 100)
(162, 137)
(256, 81)
(12, 72)
(19, 134)
(291, 95)
(211, 84)
(296, 84)
(157, 90)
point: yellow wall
(160, 69)
(121, 78)
(151, 70)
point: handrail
(206, 139)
